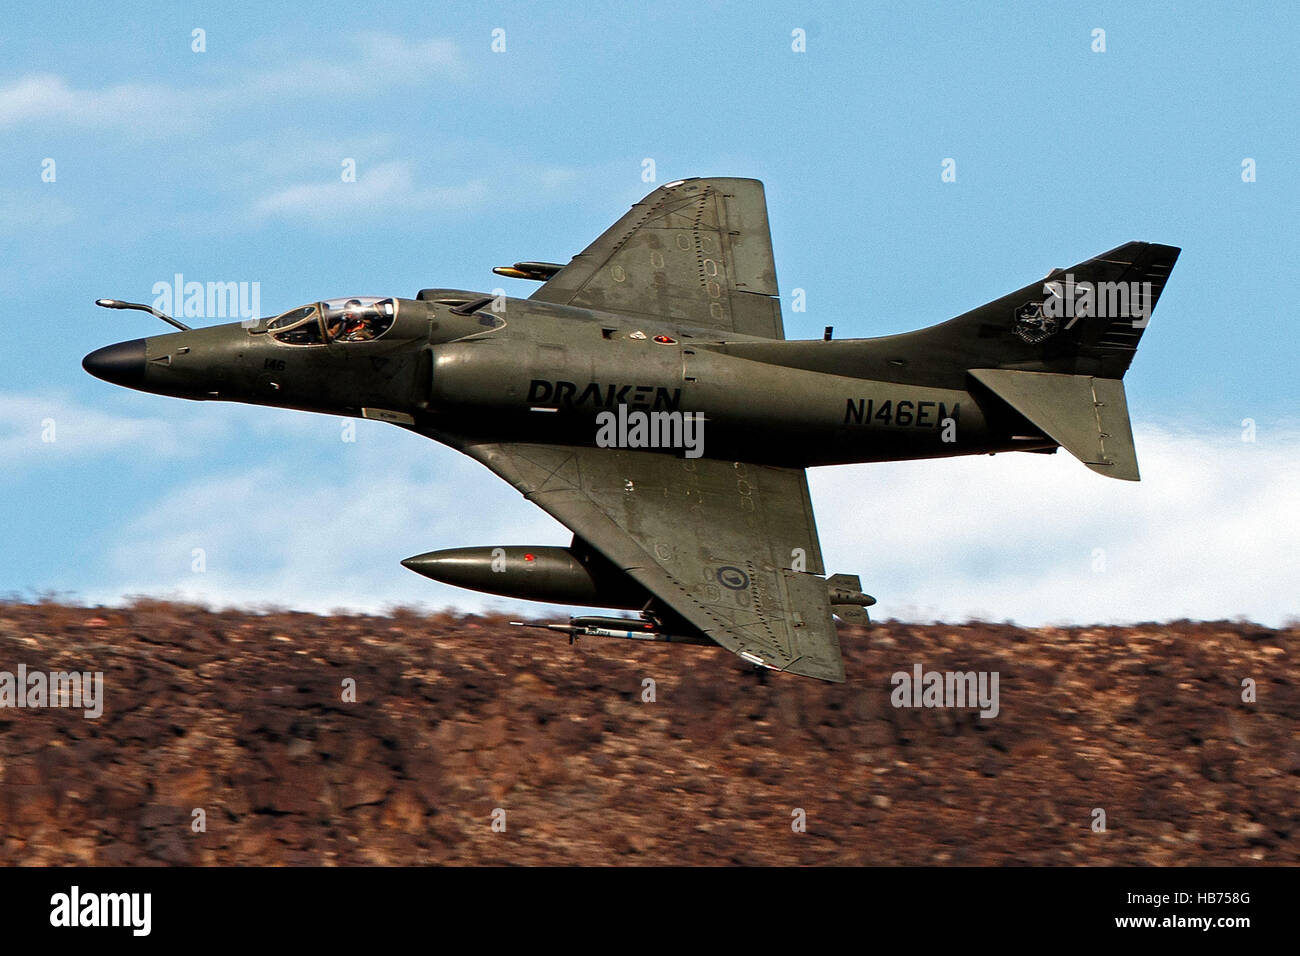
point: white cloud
(365, 63)
(383, 188)
(40, 427)
(326, 537)
(36, 427)
(47, 99)
(552, 178)
(361, 65)
(33, 212)
(1209, 533)
(287, 152)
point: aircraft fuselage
(546, 373)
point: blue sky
(225, 165)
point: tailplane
(1085, 415)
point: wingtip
(831, 673)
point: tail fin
(1085, 320)
(1056, 351)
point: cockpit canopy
(356, 319)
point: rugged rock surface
(243, 716)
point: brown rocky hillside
(242, 716)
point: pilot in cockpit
(356, 323)
(333, 326)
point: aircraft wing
(697, 251)
(716, 541)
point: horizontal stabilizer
(1086, 416)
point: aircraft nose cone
(121, 364)
(426, 564)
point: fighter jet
(645, 396)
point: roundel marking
(733, 578)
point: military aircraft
(671, 319)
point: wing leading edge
(716, 541)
